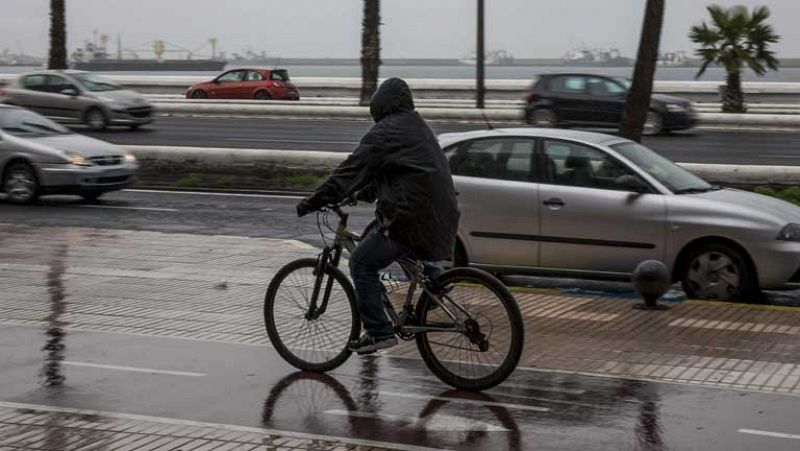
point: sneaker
(368, 345)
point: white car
(579, 204)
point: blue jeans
(372, 254)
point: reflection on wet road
(54, 347)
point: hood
(764, 205)
(84, 145)
(123, 96)
(393, 96)
(664, 98)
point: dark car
(259, 84)
(599, 101)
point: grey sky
(412, 28)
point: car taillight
(529, 96)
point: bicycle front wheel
(311, 342)
(490, 345)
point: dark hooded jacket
(399, 163)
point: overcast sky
(412, 28)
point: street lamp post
(479, 57)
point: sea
(492, 72)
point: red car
(259, 84)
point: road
(700, 146)
(252, 215)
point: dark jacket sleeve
(354, 173)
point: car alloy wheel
(543, 118)
(199, 94)
(714, 275)
(20, 184)
(262, 95)
(96, 119)
(653, 125)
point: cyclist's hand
(304, 208)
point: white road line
(770, 434)
(298, 141)
(111, 207)
(568, 391)
(200, 193)
(465, 401)
(133, 369)
(227, 427)
(778, 156)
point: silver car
(78, 97)
(579, 204)
(38, 156)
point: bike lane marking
(132, 369)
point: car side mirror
(72, 92)
(632, 183)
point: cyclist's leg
(372, 254)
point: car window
(254, 76)
(233, 76)
(569, 84)
(573, 164)
(279, 75)
(603, 87)
(17, 121)
(35, 82)
(96, 83)
(495, 158)
(56, 84)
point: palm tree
(637, 105)
(370, 49)
(736, 39)
(58, 36)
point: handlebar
(337, 208)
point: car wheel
(654, 124)
(718, 272)
(199, 94)
(96, 119)
(262, 95)
(543, 117)
(20, 184)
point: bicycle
(475, 312)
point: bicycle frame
(346, 239)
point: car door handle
(554, 202)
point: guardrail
(458, 88)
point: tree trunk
(732, 95)
(638, 101)
(58, 36)
(370, 50)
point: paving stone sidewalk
(211, 288)
(54, 429)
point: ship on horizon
(492, 58)
(596, 57)
(94, 56)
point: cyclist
(398, 163)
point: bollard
(651, 279)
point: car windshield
(675, 178)
(626, 82)
(280, 75)
(27, 123)
(95, 83)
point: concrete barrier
(458, 88)
(504, 115)
(266, 166)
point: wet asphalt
(376, 398)
(381, 398)
(253, 216)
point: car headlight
(129, 158)
(790, 233)
(676, 108)
(77, 159)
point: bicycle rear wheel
(489, 349)
(317, 344)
